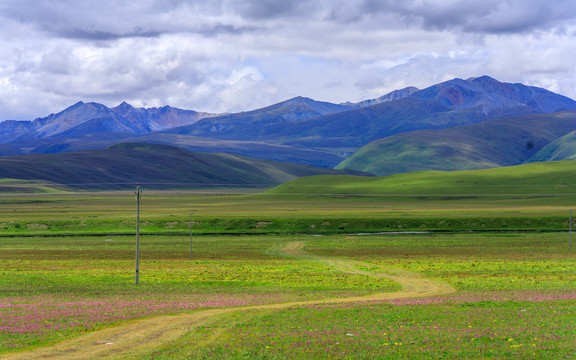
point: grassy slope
(563, 148)
(6, 150)
(253, 149)
(28, 186)
(537, 178)
(495, 143)
(157, 166)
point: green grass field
(284, 211)
(536, 197)
(68, 271)
(515, 294)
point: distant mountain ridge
(292, 110)
(299, 130)
(496, 97)
(91, 118)
(153, 119)
(451, 103)
(391, 96)
(84, 118)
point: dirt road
(142, 336)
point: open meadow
(276, 276)
(317, 207)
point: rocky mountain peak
(124, 106)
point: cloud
(83, 34)
(234, 55)
(486, 17)
(370, 83)
(112, 20)
(269, 9)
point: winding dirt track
(143, 336)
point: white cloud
(233, 55)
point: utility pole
(570, 228)
(190, 236)
(138, 195)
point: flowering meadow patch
(28, 321)
(71, 285)
(496, 296)
(411, 329)
(515, 300)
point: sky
(235, 55)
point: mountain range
(458, 124)
(90, 118)
(452, 103)
(91, 126)
(501, 142)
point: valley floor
(137, 338)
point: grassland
(67, 271)
(514, 298)
(534, 197)
(31, 186)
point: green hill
(30, 186)
(251, 149)
(154, 166)
(546, 178)
(501, 142)
(563, 148)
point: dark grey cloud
(224, 29)
(270, 9)
(113, 20)
(486, 16)
(206, 30)
(110, 20)
(86, 20)
(99, 35)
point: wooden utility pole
(138, 195)
(190, 236)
